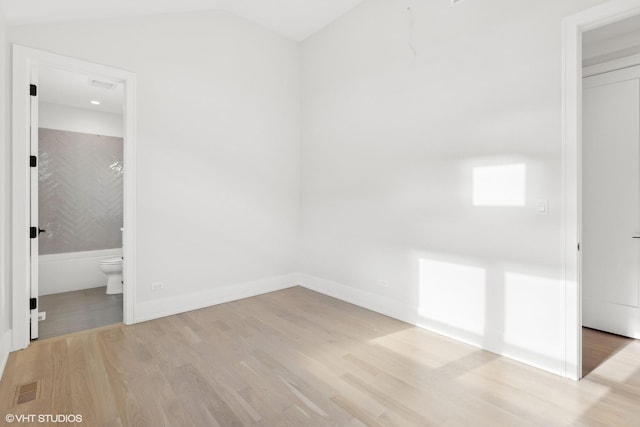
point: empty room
(320, 212)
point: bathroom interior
(80, 201)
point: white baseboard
(149, 310)
(154, 309)
(358, 297)
(407, 313)
(5, 349)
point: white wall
(218, 144)
(62, 117)
(421, 175)
(5, 292)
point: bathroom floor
(78, 310)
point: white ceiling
(621, 29)
(296, 19)
(73, 90)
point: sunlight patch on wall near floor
(533, 314)
(453, 294)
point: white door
(34, 231)
(611, 202)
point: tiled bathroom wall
(80, 191)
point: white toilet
(112, 267)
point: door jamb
(24, 59)
(572, 29)
(606, 67)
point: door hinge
(33, 303)
(33, 90)
(33, 232)
(33, 161)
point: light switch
(543, 207)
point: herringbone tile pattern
(80, 191)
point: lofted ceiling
(295, 19)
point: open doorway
(80, 166)
(73, 200)
(610, 190)
(574, 29)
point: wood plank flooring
(598, 347)
(75, 311)
(298, 358)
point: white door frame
(573, 27)
(25, 60)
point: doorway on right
(610, 243)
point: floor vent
(27, 392)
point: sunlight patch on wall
(502, 185)
(533, 313)
(453, 295)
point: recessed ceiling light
(95, 102)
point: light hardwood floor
(75, 311)
(298, 358)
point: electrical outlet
(42, 315)
(157, 286)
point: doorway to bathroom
(79, 188)
(73, 192)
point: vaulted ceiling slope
(296, 19)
